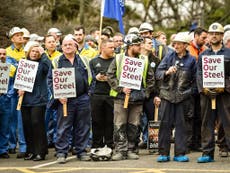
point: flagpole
(101, 21)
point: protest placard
(213, 71)
(64, 85)
(4, 77)
(26, 74)
(131, 75)
(25, 77)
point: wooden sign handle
(65, 109)
(156, 113)
(213, 103)
(20, 102)
(126, 101)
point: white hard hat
(226, 37)
(101, 154)
(54, 30)
(30, 44)
(26, 33)
(227, 27)
(133, 30)
(216, 27)
(14, 30)
(145, 27)
(36, 37)
(182, 37)
(132, 39)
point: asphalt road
(146, 164)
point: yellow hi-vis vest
(119, 63)
(85, 62)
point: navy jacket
(181, 85)
(39, 95)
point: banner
(4, 77)
(131, 74)
(213, 71)
(26, 74)
(64, 85)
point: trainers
(84, 157)
(61, 160)
(205, 159)
(132, 156)
(117, 156)
(181, 158)
(223, 154)
(163, 158)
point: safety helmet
(108, 31)
(227, 27)
(216, 27)
(131, 39)
(145, 27)
(90, 38)
(14, 30)
(26, 33)
(133, 30)
(54, 30)
(36, 37)
(182, 37)
(101, 154)
(30, 44)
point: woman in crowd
(34, 106)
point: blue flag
(114, 9)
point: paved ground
(146, 164)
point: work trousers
(126, 122)
(209, 118)
(174, 114)
(78, 118)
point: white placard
(64, 85)
(4, 77)
(26, 74)
(213, 71)
(131, 74)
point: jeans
(4, 123)
(16, 123)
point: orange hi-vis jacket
(194, 50)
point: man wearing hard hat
(14, 53)
(220, 96)
(177, 75)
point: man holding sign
(213, 75)
(78, 106)
(130, 77)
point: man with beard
(126, 121)
(222, 96)
(84, 50)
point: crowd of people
(171, 82)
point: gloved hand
(211, 93)
(219, 90)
